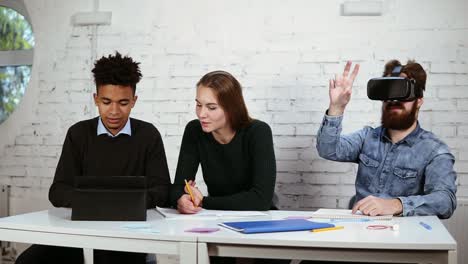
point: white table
(412, 243)
(54, 227)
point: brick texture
(283, 55)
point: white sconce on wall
(92, 18)
(362, 8)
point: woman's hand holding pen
(185, 204)
(197, 195)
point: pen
(327, 229)
(428, 227)
(190, 192)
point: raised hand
(340, 90)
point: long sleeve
(157, 174)
(332, 145)
(439, 189)
(263, 177)
(69, 166)
(187, 165)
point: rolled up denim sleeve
(439, 189)
(332, 145)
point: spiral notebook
(345, 214)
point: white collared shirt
(101, 129)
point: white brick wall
(283, 54)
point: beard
(398, 121)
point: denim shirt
(418, 170)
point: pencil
(190, 192)
(327, 229)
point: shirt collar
(413, 136)
(410, 139)
(101, 129)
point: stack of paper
(204, 213)
(346, 214)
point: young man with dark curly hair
(112, 144)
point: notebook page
(205, 213)
(345, 214)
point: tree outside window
(16, 50)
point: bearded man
(402, 168)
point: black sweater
(84, 153)
(239, 175)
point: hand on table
(373, 206)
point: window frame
(17, 57)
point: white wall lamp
(362, 8)
(92, 18)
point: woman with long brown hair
(235, 152)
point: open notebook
(345, 214)
(205, 213)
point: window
(16, 55)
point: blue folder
(269, 226)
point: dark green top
(239, 175)
(84, 153)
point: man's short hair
(116, 70)
(412, 69)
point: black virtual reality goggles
(393, 88)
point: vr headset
(393, 88)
